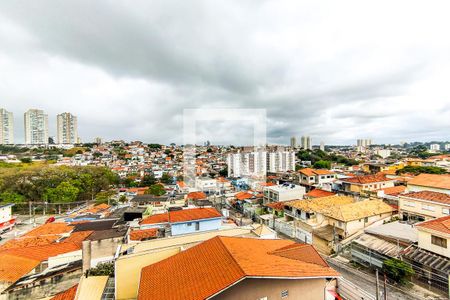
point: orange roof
(183, 215)
(313, 172)
(267, 184)
(139, 235)
(67, 294)
(430, 196)
(50, 229)
(366, 179)
(440, 224)
(181, 184)
(395, 190)
(196, 196)
(277, 205)
(29, 241)
(317, 193)
(432, 180)
(17, 262)
(212, 266)
(243, 195)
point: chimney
(86, 255)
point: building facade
(6, 127)
(67, 128)
(36, 127)
(306, 142)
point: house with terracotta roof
(366, 183)
(327, 220)
(434, 235)
(184, 221)
(239, 268)
(318, 193)
(430, 182)
(423, 205)
(321, 178)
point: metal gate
(349, 291)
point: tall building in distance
(363, 142)
(322, 146)
(258, 163)
(67, 129)
(306, 142)
(36, 127)
(293, 142)
(6, 127)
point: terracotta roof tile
(243, 195)
(395, 190)
(366, 179)
(441, 224)
(431, 180)
(430, 196)
(67, 294)
(183, 215)
(197, 196)
(210, 267)
(50, 229)
(317, 193)
(139, 235)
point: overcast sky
(334, 70)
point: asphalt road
(367, 282)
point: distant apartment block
(363, 142)
(435, 147)
(293, 142)
(67, 128)
(306, 142)
(6, 127)
(258, 163)
(36, 127)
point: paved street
(367, 282)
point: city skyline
(338, 84)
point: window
(438, 241)
(427, 207)
(189, 224)
(446, 211)
(284, 294)
(197, 226)
(366, 219)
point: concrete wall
(104, 248)
(425, 243)
(405, 206)
(128, 271)
(189, 227)
(418, 188)
(272, 288)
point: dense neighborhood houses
(275, 234)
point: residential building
(293, 142)
(435, 147)
(430, 182)
(367, 183)
(67, 129)
(326, 220)
(322, 146)
(434, 235)
(6, 127)
(239, 268)
(36, 127)
(321, 178)
(185, 221)
(283, 192)
(258, 163)
(7, 220)
(98, 140)
(363, 143)
(447, 147)
(133, 257)
(383, 153)
(423, 205)
(306, 142)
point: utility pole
(385, 290)
(29, 206)
(377, 286)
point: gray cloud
(129, 69)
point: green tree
(166, 178)
(398, 270)
(104, 197)
(322, 164)
(148, 180)
(156, 190)
(64, 192)
(421, 169)
(224, 172)
(26, 160)
(11, 197)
